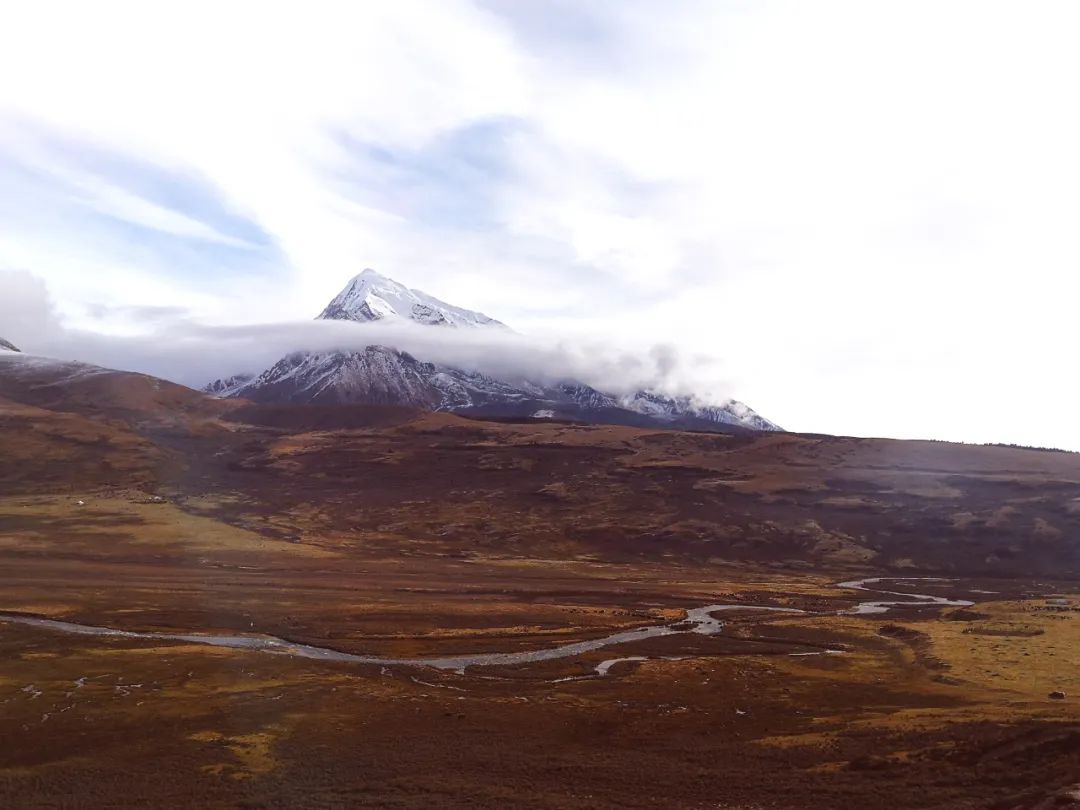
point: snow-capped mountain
(585, 396)
(8, 346)
(672, 409)
(374, 297)
(385, 376)
(228, 386)
(376, 375)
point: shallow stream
(698, 620)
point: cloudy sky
(858, 217)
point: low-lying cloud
(178, 348)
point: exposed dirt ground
(388, 532)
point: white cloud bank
(173, 346)
(867, 210)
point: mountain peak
(367, 275)
(371, 296)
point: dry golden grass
(109, 523)
(1021, 648)
(251, 752)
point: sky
(857, 217)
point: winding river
(912, 600)
(698, 620)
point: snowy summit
(383, 375)
(371, 296)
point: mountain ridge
(383, 375)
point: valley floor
(131, 504)
(923, 708)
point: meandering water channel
(912, 600)
(698, 620)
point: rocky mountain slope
(377, 375)
(385, 376)
(8, 346)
